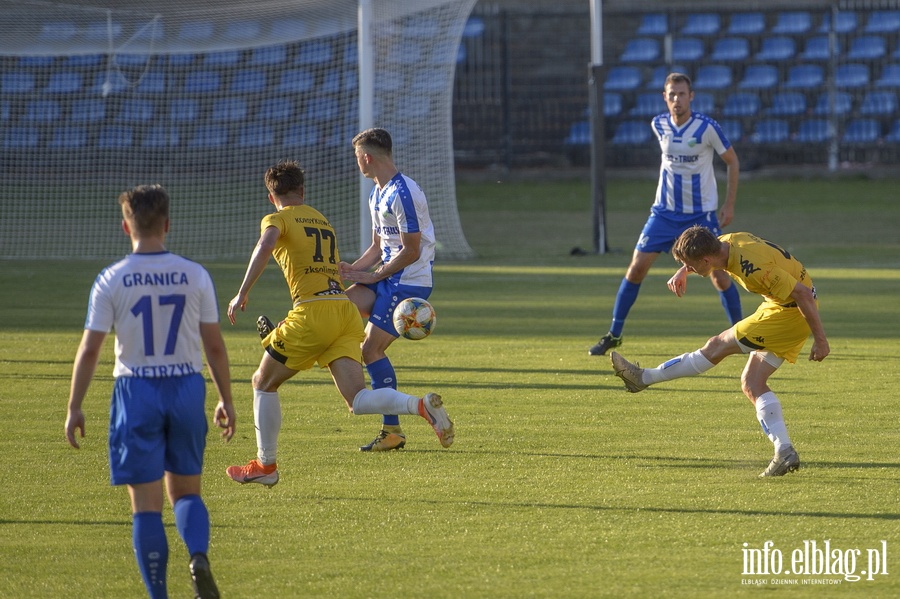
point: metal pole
(366, 49)
(597, 76)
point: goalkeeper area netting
(202, 96)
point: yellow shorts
(774, 328)
(318, 331)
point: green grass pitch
(559, 484)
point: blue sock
(382, 374)
(731, 301)
(625, 298)
(192, 521)
(151, 549)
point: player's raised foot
(254, 472)
(264, 326)
(202, 579)
(631, 374)
(431, 408)
(385, 441)
(780, 465)
(606, 343)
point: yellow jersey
(761, 267)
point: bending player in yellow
(323, 327)
(774, 333)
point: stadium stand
(747, 24)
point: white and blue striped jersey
(155, 302)
(401, 207)
(687, 182)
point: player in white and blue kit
(686, 195)
(163, 308)
(403, 249)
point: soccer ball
(414, 318)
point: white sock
(768, 411)
(684, 365)
(267, 416)
(384, 401)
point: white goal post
(201, 96)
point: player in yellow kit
(323, 326)
(774, 333)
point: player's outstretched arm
(258, 261)
(733, 164)
(220, 373)
(806, 302)
(82, 372)
(678, 283)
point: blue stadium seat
(893, 135)
(818, 48)
(687, 49)
(861, 131)
(68, 136)
(132, 60)
(268, 56)
(42, 111)
(21, 137)
(222, 58)
(202, 82)
(741, 104)
(641, 49)
(658, 76)
(648, 105)
(631, 133)
(813, 131)
(621, 78)
(776, 49)
(229, 109)
(180, 61)
(843, 104)
(321, 109)
(136, 111)
(703, 102)
(242, 31)
(339, 80)
(805, 76)
(90, 110)
(612, 104)
(197, 31)
(161, 136)
(106, 83)
(301, 136)
(730, 49)
(4, 110)
(102, 31)
(792, 23)
(39, 62)
(712, 76)
(890, 76)
(579, 134)
(16, 82)
(209, 137)
(474, 27)
(79, 61)
(289, 29)
(787, 104)
(733, 129)
(747, 23)
(153, 82)
(295, 81)
(701, 24)
(759, 76)
(314, 52)
(255, 135)
(883, 21)
(57, 31)
(248, 81)
(845, 23)
(852, 75)
(867, 47)
(653, 24)
(878, 104)
(184, 110)
(276, 109)
(771, 131)
(115, 137)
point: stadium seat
(883, 21)
(733, 129)
(153, 82)
(21, 137)
(474, 27)
(878, 104)
(712, 76)
(161, 136)
(805, 76)
(818, 48)
(42, 111)
(201, 82)
(90, 110)
(792, 23)
(852, 75)
(4, 110)
(653, 24)
(658, 76)
(730, 49)
(893, 135)
(703, 102)
(759, 76)
(843, 104)
(648, 105)
(63, 83)
(890, 76)
(813, 131)
(132, 60)
(289, 29)
(314, 52)
(295, 81)
(787, 104)
(229, 109)
(579, 134)
(184, 110)
(301, 136)
(276, 109)
(642, 49)
(102, 31)
(861, 131)
(741, 104)
(115, 137)
(79, 61)
(255, 135)
(631, 133)
(222, 58)
(390, 81)
(242, 31)
(776, 49)
(16, 82)
(248, 81)
(180, 61)
(622, 78)
(612, 104)
(136, 111)
(701, 24)
(209, 137)
(747, 23)
(321, 109)
(40, 62)
(845, 23)
(197, 31)
(268, 56)
(771, 131)
(57, 31)
(68, 136)
(687, 49)
(867, 47)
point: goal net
(202, 96)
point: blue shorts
(156, 425)
(661, 231)
(387, 296)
